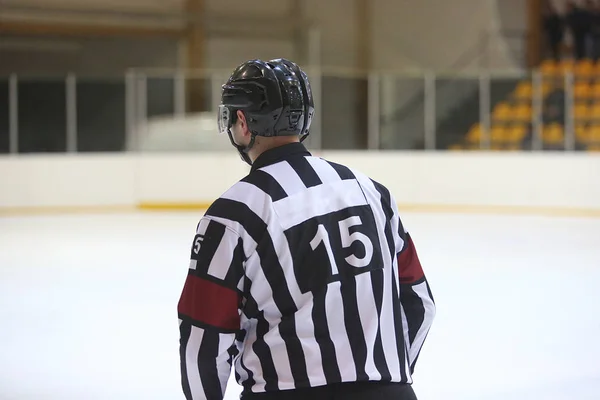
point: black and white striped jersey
(301, 275)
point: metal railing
(486, 110)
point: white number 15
(347, 239)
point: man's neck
(264, 144)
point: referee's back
(303, 277)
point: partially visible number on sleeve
(198, 243)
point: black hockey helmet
(275, 97)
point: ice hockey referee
(302, 276)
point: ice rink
(88, 306)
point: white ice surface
(88, 306)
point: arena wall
(555, 184)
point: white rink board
(67, 181)
(554, 180)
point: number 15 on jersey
(334, 247)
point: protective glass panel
(101, 122)
(402, 109)
(4, 116)
(161, 97)
(42, 115)
(344, 113)
(457, 112)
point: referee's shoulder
(367, 183)
(236, 202)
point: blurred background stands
(145, 75)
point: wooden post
(363, 35)
(196, 55)
(299, 39)
(363, 64)
(534, 32)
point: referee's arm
(209, 311)
(416, 299)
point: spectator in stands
(578, 20)
(554, 107)
(595, 30)
(554, 29)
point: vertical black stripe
(343, 171)
(241, 335)
(262, 350)
(389, 213)
(275, 276)
(249, 381)
(401, 232)
(412, 365)
(402, 356)
(273, 271)
(386, 203)
(246, 293)
(284, 301)
(209, 373)
(429, 291)
(208, 247)
(377, 280)
(267, 184)
(236, 268)
(233, 352)
(260, 347)
(386, 200)
(185, 329)
(323, 337)
(287, 331)
(356, 335)
(414, 310)
(305, 171)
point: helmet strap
(243, 150)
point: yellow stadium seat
(549, 68)
(516, 133)
(596, 90)
(593, 134)
(595, 112)
(594, 148)
(498, 134)
(474, 134)
(553, 134)
(546, 88)
(582, 133)
(584, 69)
(502, 112)
(581, 112)
(522, 113)
(582, 91)
(596, 68)
(524, 90)
(589, 135)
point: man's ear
(243, 123)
